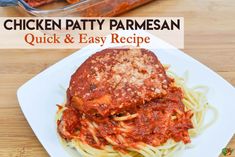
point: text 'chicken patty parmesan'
(121, 102)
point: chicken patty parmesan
(117, 80)
(37, 3)
(124, 102)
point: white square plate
(39, 96)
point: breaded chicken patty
(115, 81)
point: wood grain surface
(209, 38)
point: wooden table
(209, 37)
